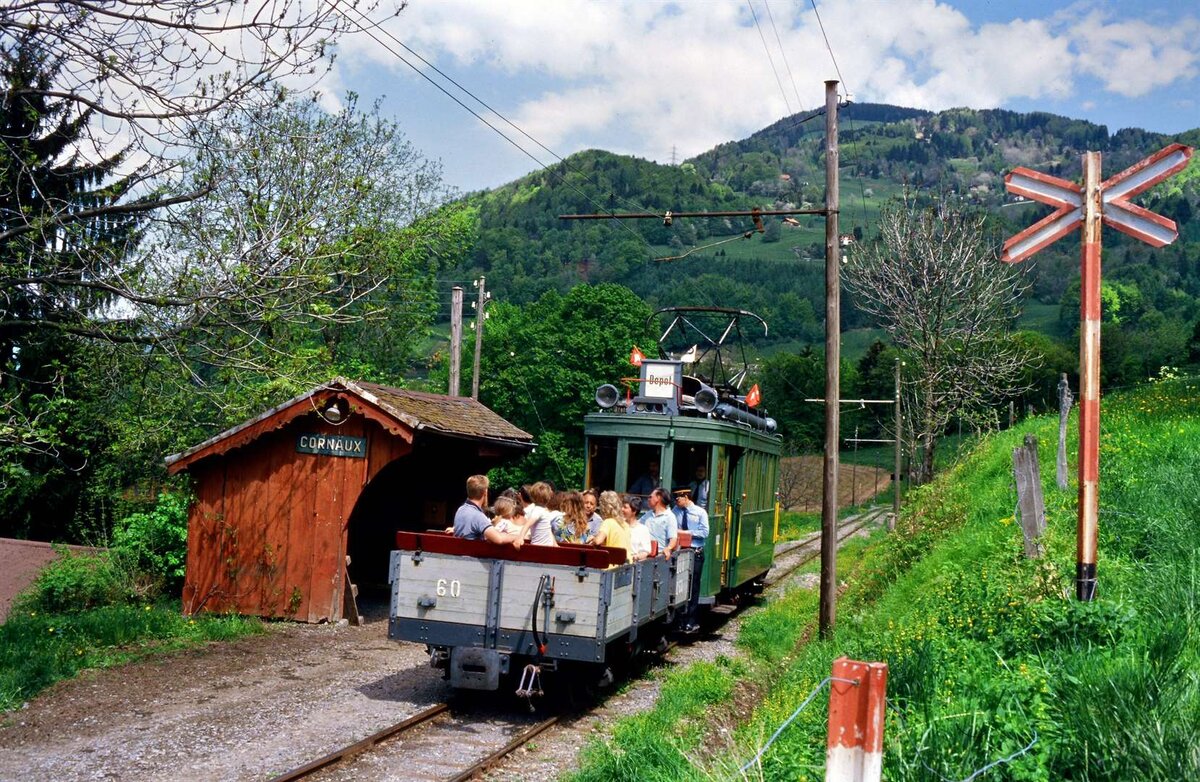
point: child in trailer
(538, 517)
(505, 518)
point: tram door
(724, 508)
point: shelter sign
(332, 445)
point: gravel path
(242, 710)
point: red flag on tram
(754, 396)
(636, 357)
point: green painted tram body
(742, 465)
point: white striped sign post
(1094, 203)
(857, 703)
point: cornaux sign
(332, 445)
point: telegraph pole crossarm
(671, 214)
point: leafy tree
(936, 286)
(161, 72)
(542, 363)
(324, 230)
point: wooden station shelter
(296, 510)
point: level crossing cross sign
(1090, 205)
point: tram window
(644, 473)
(602, 463)
(690, 469)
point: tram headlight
(607, 395)
(705, 399)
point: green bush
(74, 583)
(154, 543)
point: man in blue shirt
(694, 519)
(700, 487)
(691, 517)
(661, 524)
(647, 482)
(471, 523)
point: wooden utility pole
(480, 316)
(899, 440)
(456, 302)
(833, 344)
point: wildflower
(52, 629)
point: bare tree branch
(937, 287)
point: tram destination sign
(332, 445)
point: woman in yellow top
(613, 531)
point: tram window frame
(602, 451)
(634, 462)
(688, 455)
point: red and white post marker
(1094, 203)
(857, 699)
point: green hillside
(1152, 297)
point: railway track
(436, 726)
(385, 750)
(846, 528)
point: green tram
(694, 429)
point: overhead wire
(363, 21)
(842, 80)
(770, 59)
(827, 46)
(783, 53)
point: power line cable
(783, 53)
(487, 106)
(827, 46)
(770, 59)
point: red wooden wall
(267, 533)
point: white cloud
(649, 76)
(1132, 58)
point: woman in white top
(639, 536)
(538, 517)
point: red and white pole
(1089, 382)
(857, 699)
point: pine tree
(55, 264)
(55, 259)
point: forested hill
(959, 153)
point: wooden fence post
(1030, 504)
(854, 750)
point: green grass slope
(990, 659)
(992, 663)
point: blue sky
(646, 78)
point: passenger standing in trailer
(692, 519)
(639, 536)
(661, 523)
(471, 523)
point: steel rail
(358, 747)
(521, 740)
(860, 522)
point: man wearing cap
(694, 519)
